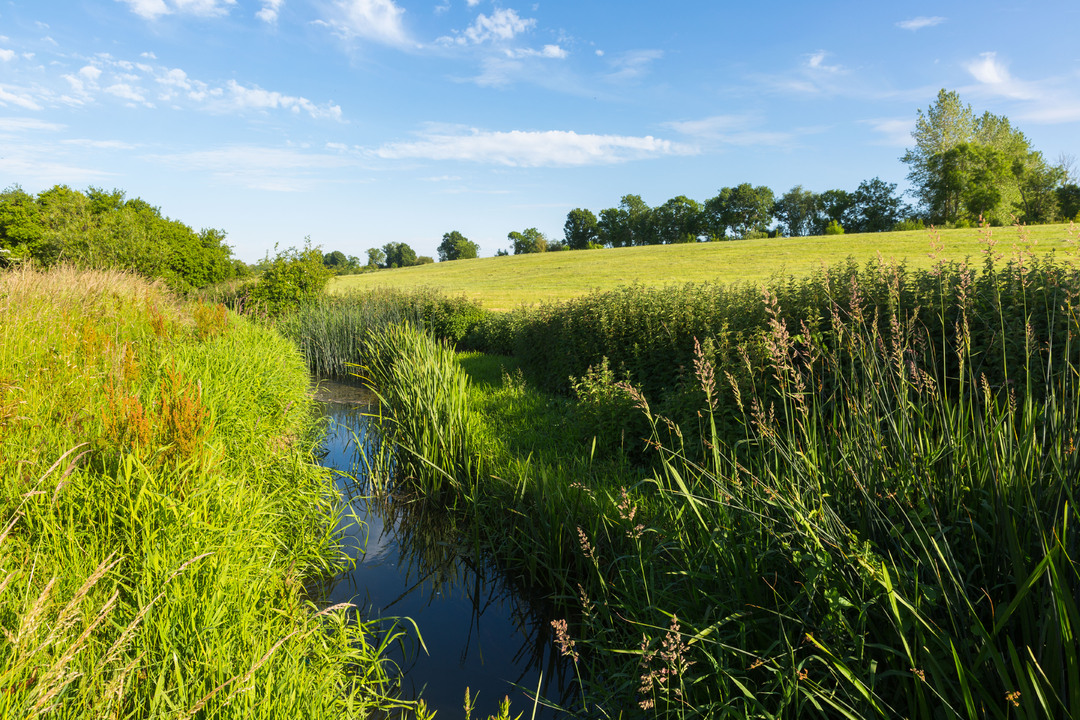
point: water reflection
(412, 561)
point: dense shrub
(289, 279)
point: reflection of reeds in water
(439, 557)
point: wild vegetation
(163, 527)
(868, 513)
(100, 229)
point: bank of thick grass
(883, 525)
(160, 515)
(504, 283)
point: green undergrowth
(875, 515)
(161, 518)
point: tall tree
(796, 210)
(743, 210)
(398, 254)
(875, 207)
(833, 206)
(679, 220)
(580, 229)
(376, 257)
(455, 246)
(528, 241)
(614, 228)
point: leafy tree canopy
(455, 246)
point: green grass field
(501, 283)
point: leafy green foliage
(100, 229)
(530, 240)
(455, 246)
(580, 229)
(288, 279)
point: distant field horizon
(502, 283)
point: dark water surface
(478, 632)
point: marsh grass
(161, 515)
(882, 524)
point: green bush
(289, 279)
(834, 228)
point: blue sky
(360, 122)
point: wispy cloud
(918, 23)
(10, 125)
(501, 26)
(895, 132)
(18, 99)
(816, 63)
(520, 148)
(380, 21)
(7, 55)
(255, 97)
(261, 168)
(1051, 100)
(153, 9)
(100, 144)
(993, 75)
(269, 12)
(631, 65)
(736, 130)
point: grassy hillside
(505, 282)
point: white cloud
(739, 130)
(994, 77)
(125, 91)
(100, 144)
(632, 65)
(255, 97)
(518, 148)
(502, 26)
(270, 10)
(548, 51)
(260, 168)
(7, 55)
(153, 9)
(472, 3)
(377, 20)
(17, 125)
(816, 62)
(17, 99)
(918, 23)
(895, 132)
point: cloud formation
(520, 148)
(153, 9)
(737, 130)
(380, 21)
(269, 12)
(918, 23)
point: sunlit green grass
(502, 283)
(162, 520)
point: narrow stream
(479, 633)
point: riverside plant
(160, 515)
(892, 533)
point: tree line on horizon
(964, 169)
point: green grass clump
(160, 515)
(504, 283)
